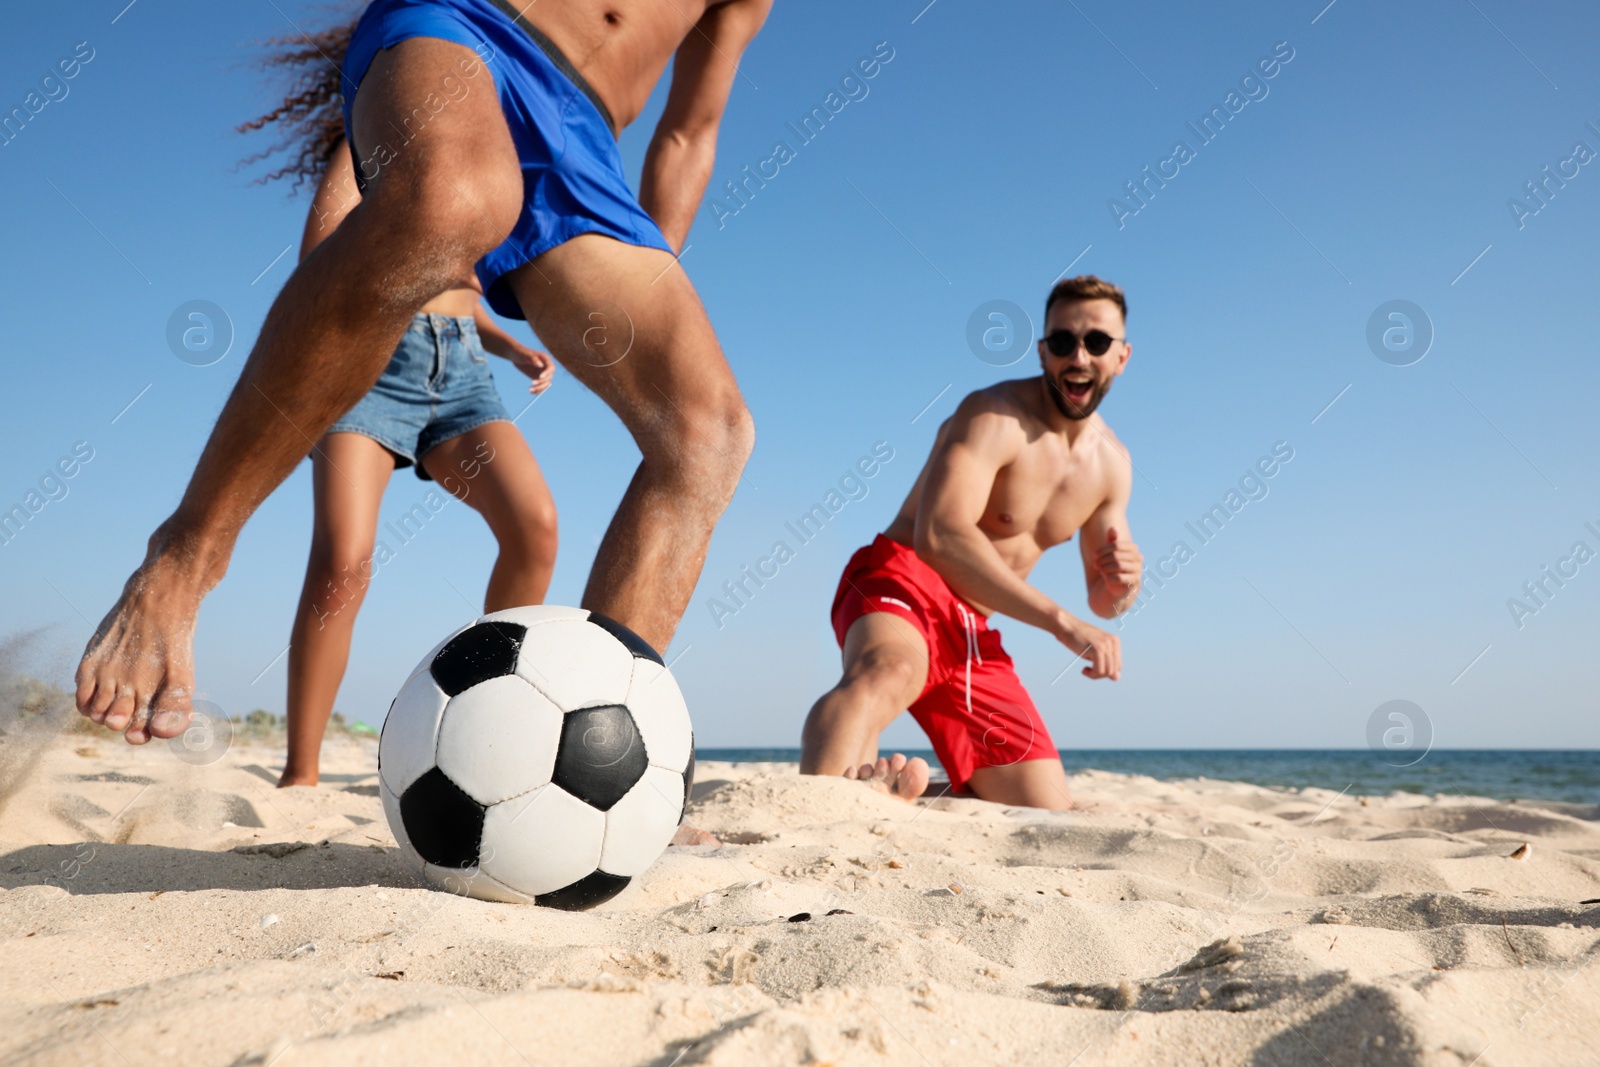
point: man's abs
(619, 46)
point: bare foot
(288, 780)
(897, 776)
(688, 835)
(137, 673)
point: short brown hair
(1086, 287)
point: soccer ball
(538, 755)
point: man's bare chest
(1046, 496)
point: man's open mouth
(1077, 389)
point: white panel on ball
(663, 718)
(391, 810)
(586, 665)
(640, 825)
(459, 881)
(542, 841)
(475, 883)
(537, 613)
(405, 751)
(499, 739)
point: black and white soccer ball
(538, 755)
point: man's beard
(1070, 409)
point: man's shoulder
(1008, 400)
(1115, 455)
(993, 420)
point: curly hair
(310, 118)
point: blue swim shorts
(572, 175)
(437, 386)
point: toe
(102, 699)
(84, 697)
(916, 777)
(172, 707)
(137, 730)
(169, 722)
(121, 711)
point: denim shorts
(437, 386)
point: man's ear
(1127, 354)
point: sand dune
(156, 912)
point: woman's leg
(348, 474)
(493, 469)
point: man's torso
(620, 47)
(1043, 496)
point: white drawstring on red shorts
(969, 623)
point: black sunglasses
(1065, 342)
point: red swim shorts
(973, 708)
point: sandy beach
(158, 912)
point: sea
(1570, 776)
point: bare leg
(348, 475)
(493, 470)
(885, 668)
(448, 195)
(1033, 783)
(626, 322)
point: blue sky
(1376, 164)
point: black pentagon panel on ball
(688, 782)
(586, 892)
(444, 824)
(601, 755)
(631, 641)
(477, 654)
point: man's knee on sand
(1027, 783)
(876, 687)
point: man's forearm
(970, 565)
(677, 168)
(1108, 602)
